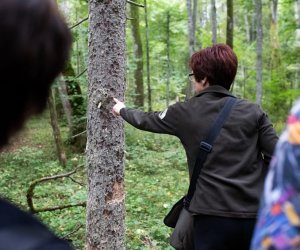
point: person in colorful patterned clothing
(278, 224)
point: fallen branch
(49, 209)
(30, 192)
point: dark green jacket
(232, 177)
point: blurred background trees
(160, 37)
(264, 34)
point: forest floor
(150, 192)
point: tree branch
(74, 136)
(30, 191)
(136, 4)
(47, 209)
(80, 22)
(77, 182)
(81, 73)
(74, 231)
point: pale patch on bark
(117, 194)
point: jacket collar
(215, 89)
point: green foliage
(156, 177)
(32, 156)
(155, 174)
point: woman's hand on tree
(118, 106)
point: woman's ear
(205, 82)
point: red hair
(217, 63)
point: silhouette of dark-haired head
(34, 46)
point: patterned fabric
(278, 225)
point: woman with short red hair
(229, 186)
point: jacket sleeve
(267, 137)
(164, 122)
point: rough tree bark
(105, 147)
(138, 54)
(259, 45)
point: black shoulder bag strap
(206, 147)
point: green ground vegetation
(155, 177)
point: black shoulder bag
(179, 217)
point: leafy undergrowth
(155, 177)
(31, 156)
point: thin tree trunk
(229, 27)
(56, 131)
(200, 21)
(195, 10)
(259, 45)
(214, 21)
(149, 90)
(297, 18)
(168, 60)
(77, 50)
(191, 32)
(105, 147)
(64, 98)
(138, 53)
(247, 27)
(274, 40)
(78, 109)
(190, 27)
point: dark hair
(34, 46)
(218, 63)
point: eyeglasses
(191, 76)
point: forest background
(46, 174)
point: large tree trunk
(259, 45)
(138, 53)
(229, 27)
(214, 21)
(105, 147)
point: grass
(155, 177)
